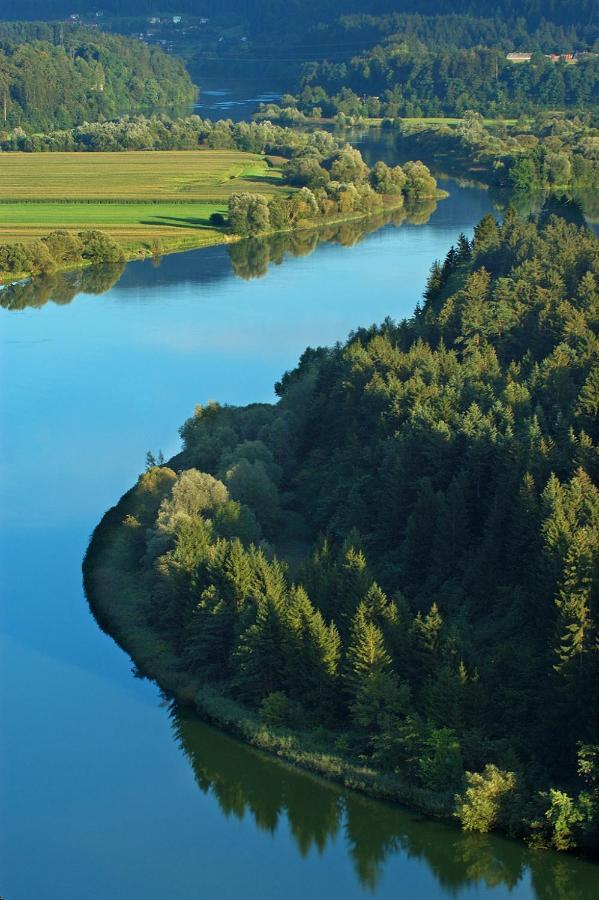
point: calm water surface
(106, 791)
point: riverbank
(115, 592)
(182, 617)
(215, 236)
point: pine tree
(209, 636)
(434, 282)
(486, 234)
(237, 575)
(323, 652)
(420, 536)
(260, 654)
(577, 632)
(366, 654)
(428, 629)
(464, 250)
(354, 582)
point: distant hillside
(279, 13)
(57, 76)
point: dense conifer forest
(399, 558)
(56, 76)
(415, 81)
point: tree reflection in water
(249, 258)
(60, 287)
(246, 782)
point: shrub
(100, 248)
(274, 708)
(482, 806)
(564, 818)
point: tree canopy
(440, 475)
(57, 75)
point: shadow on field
(263, 179)
(177, 221)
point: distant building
(519, 57)
(176, 20)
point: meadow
(137, 197)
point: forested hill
(269, 12)
(443, 626)
(59, 76)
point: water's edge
(115, 609)
(113, 602)
(218, 238)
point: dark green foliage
(59, 249)
(549, 153)
(445, 622)
(56, 75)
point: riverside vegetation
(389, 575)
(250, 258)
(247, 179)
(547, 153)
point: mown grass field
(136, 197)
(376, 122)
(449, 120)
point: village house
(519, 57)
(553, 57)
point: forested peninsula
(389, 576)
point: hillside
(265, 12)
(56, 76)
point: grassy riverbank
(115, 591)
(148, 202)
(197, 238)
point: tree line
(58, 250)
(163, 132)
(566, 12)
(339, 184)
(399, 79)
(548, 153)
(440, 476)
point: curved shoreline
(220, 237)
(113, 592)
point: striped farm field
(139, 175)
(134, 196)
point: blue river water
(108, 793)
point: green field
(137, 197)
(376, 122)
(449, 120)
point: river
(107, 790)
